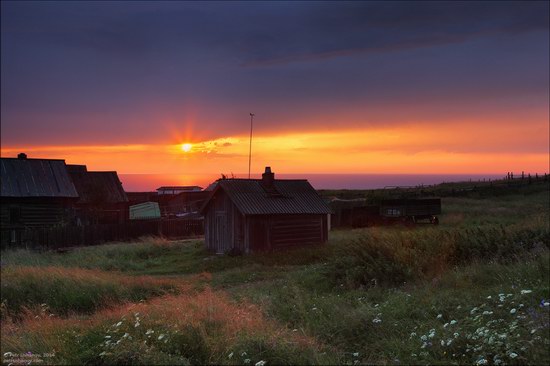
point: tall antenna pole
(250, 148)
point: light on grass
(186, 147)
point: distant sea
(150, 182)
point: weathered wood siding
(257, 232)
(296, 230)
(223, 225)
(281, 231)
(33, 214)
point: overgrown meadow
(473, 290)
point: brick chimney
(268, 177)
(21, 156)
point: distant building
(177, 189)
(34, 193)
(247, 215)
(102, 199)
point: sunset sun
(186, 147)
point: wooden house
(247, 215)
(102, 199)
(34, 193)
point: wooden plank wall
(296, 230)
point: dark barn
(248, 215)
(34, 193)
(102, 199)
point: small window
(15, 215)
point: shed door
(221, 236)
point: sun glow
(186, 147)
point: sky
(336, 87)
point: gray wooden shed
(247, 215)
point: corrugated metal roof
(35, 178)
(295, 197)
(98, 187)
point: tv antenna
(250, 147)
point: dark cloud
(106, 71)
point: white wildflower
(456, 335)
(107, 336)
(481, 361)
(489, 297)
(533, 331)
(473, 310)
(118, 324)
(439, 316)
(513, 355)
(125, 335)
(100, 355)
(314, 308)
(230, 355)
(246, 361)
(449, 341)
(160, 337)
(244, 354)
(442, 342)
(523, 292)
(377, 320)
(295, 330)
(546, 303)
(356, 354)
(513, 311)
(453, 322)
(413, 334)
(261, 363)
(149, 331)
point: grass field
(474, 290)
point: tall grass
(60, 291)
(392, 257)
(201, 329)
